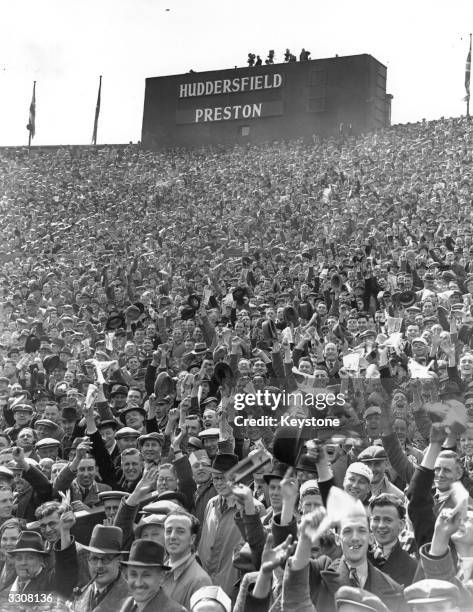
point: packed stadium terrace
(168, 315)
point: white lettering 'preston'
(227, 113)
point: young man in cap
(22, 414)
(126, 437)
(357, 481)
(48, 448)
(111, 502)
(186, 575)
(151, 446)
(145, 573)
(372, 423)
(118, 397)
(46, 429)
(210, 438)
(108, 588)
(376, 459)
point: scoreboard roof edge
(268, 67)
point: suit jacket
(400, 566)
(181, 583)
(7, 576)
(159, 603)
(327, 576)
(112, 600)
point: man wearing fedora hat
(219, 532)
(145, 572)
(107, 589)
(34, 574)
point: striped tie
(354, 580)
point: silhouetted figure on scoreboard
(251, 59)
(304, 55)
(259, 61)
(270, 59)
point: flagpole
(32, 116)
(468, 96)
(97, 112)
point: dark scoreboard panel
(266, 103)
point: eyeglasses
(104, 559)
(165, 479)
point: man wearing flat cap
(357, 480)
(376, 459)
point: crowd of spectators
(143, 292)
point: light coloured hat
(211, 593)
(361, 469)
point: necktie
(20, 586)
(354, 580)
(378, 555)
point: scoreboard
(266, 103)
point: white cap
(214, 593)
(308, 484)
(361, 469)
(210, 433)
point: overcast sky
(66, 44)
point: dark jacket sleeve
(255, 536)
(296, 596)
(280, 532)
(125, 519)
(104, 460)
(63, 480)
(187, 484)
(43, 489)
(324, 488)
(397, 457)
(65, 574)
(421, 505)
(150, 377)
